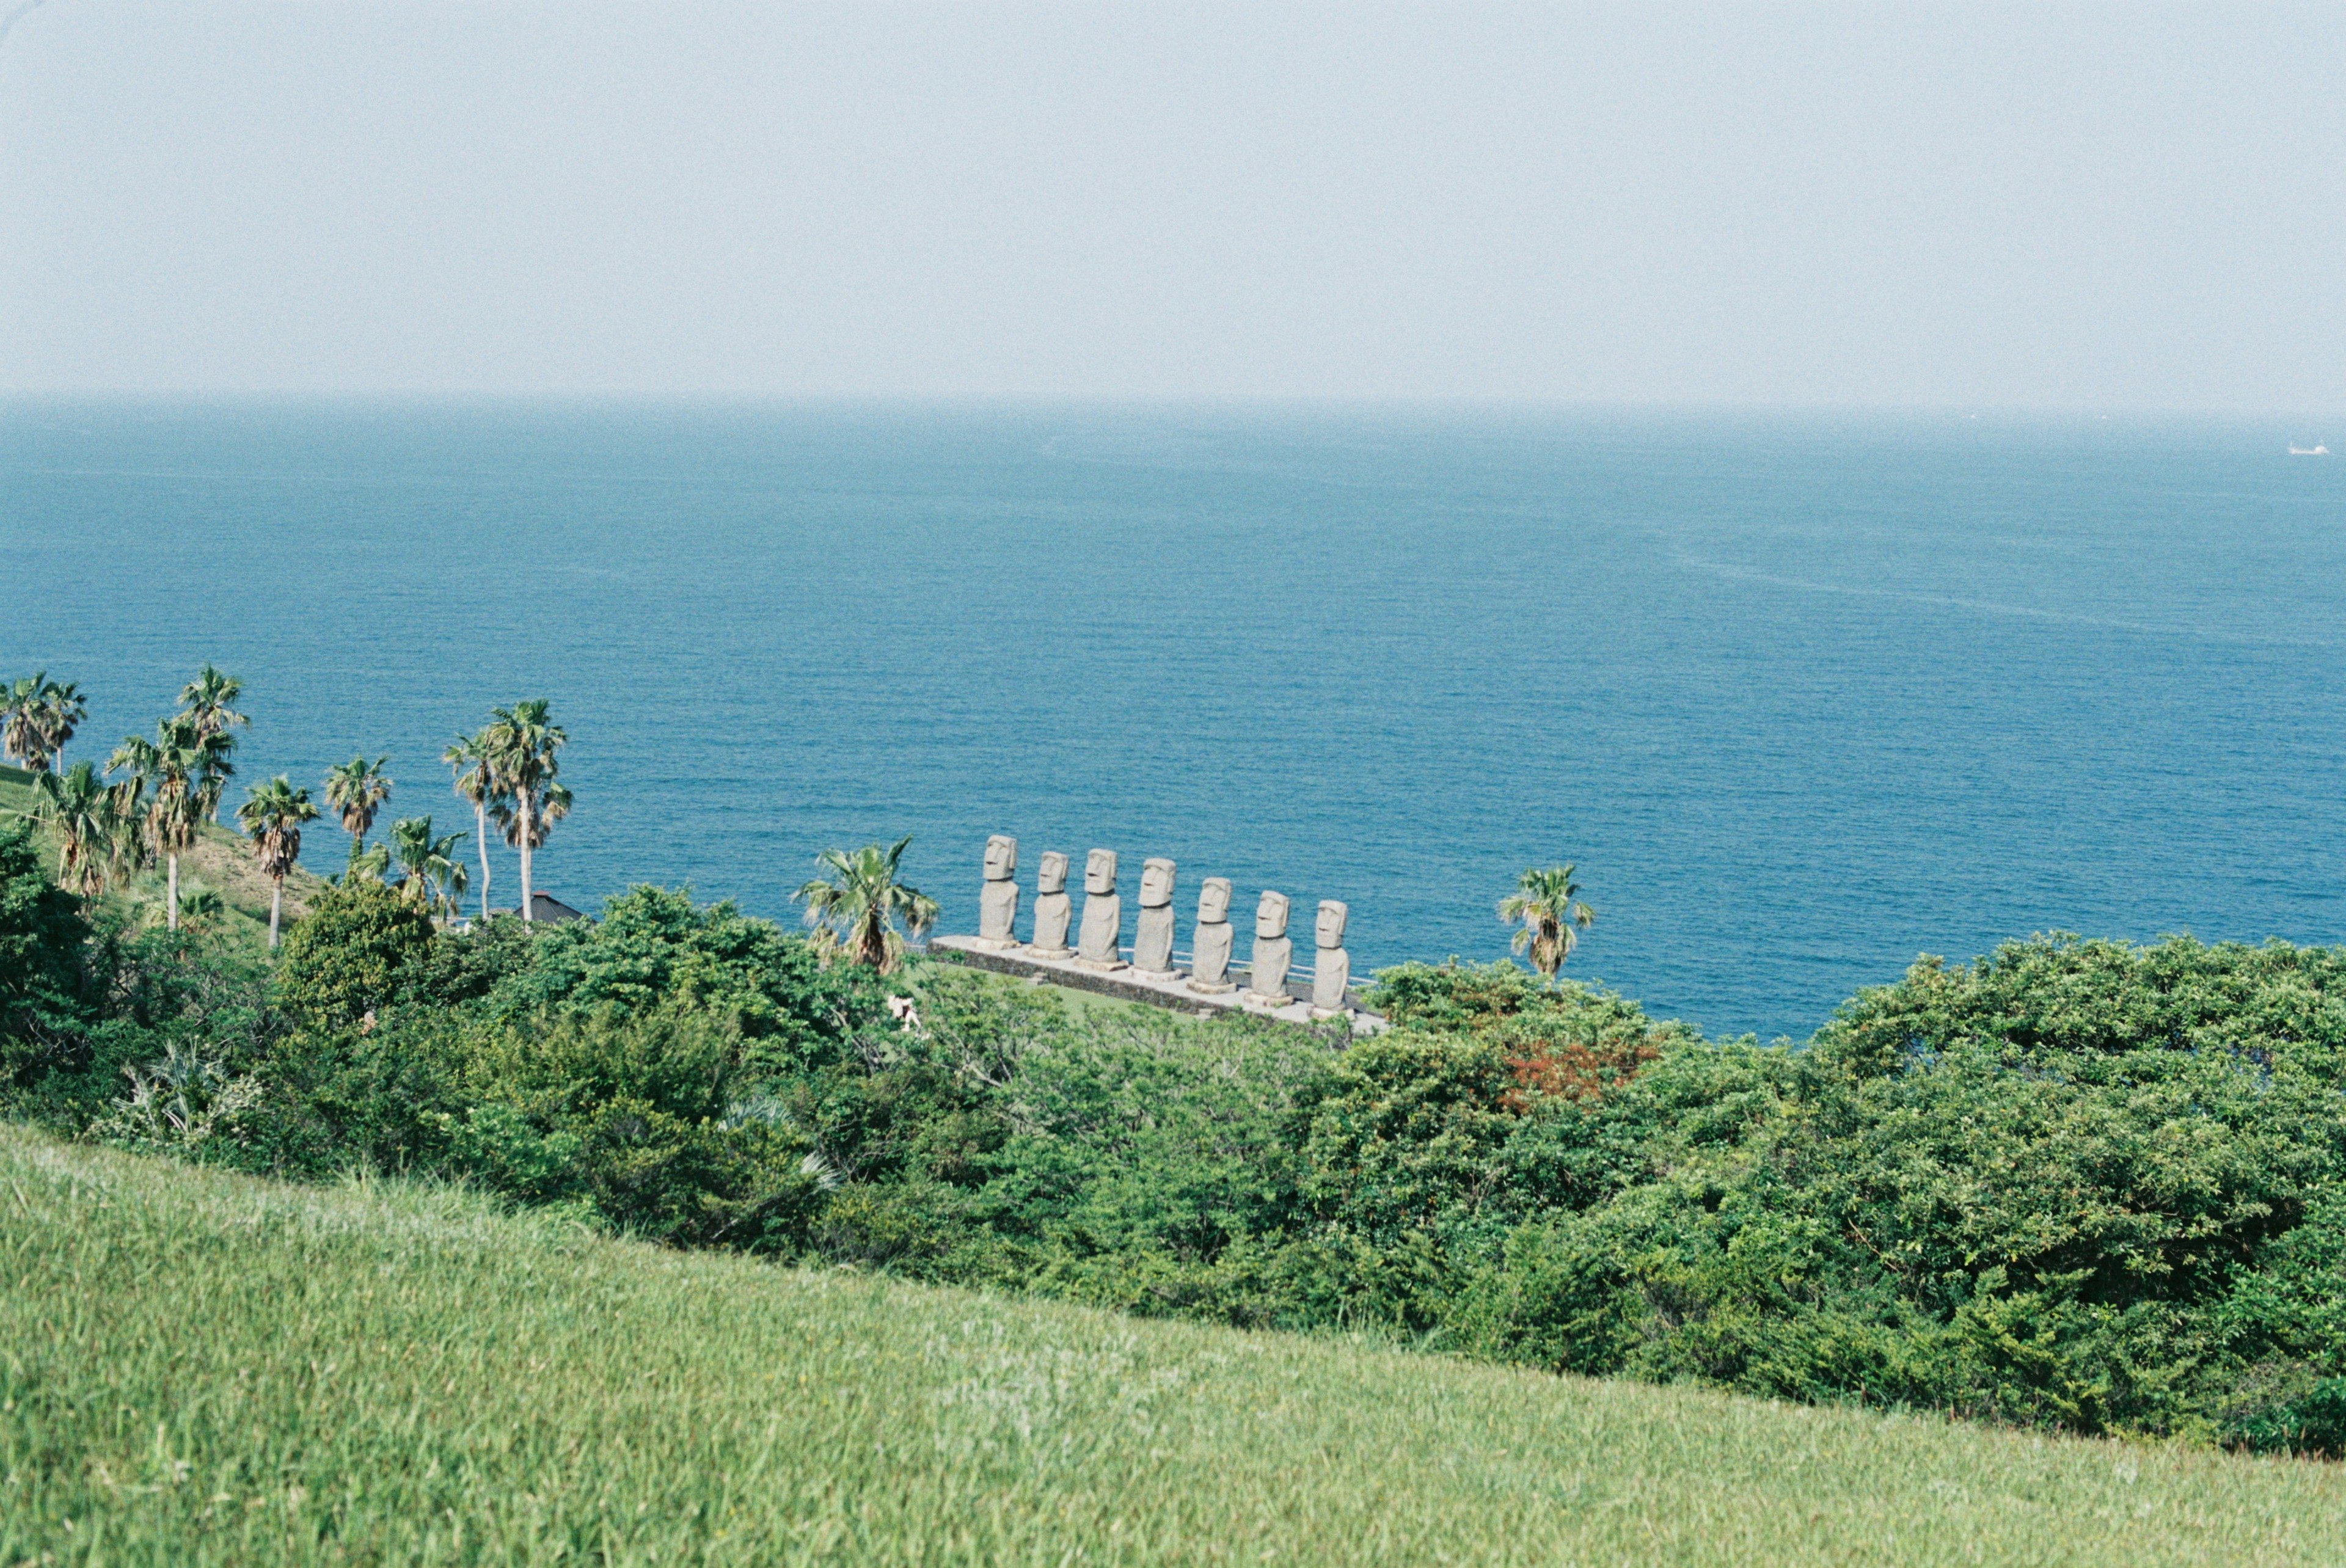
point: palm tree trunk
(171, 915)
(481, 827)
(275, 902)
(526, 835)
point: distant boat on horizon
(2315, 451)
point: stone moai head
(1213, 901)
(1330, 933)
(1001, 858)
(1156, 882)
(1099, 871)
(1270, 915)
(1051, 875)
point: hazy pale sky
(2086, 207)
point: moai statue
(1103, 913)
(1266, 977)
(1051, 908)
(1332, 967)
(997, 902)
(1209, 958)
(1152, 939)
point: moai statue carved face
(1270, 915)
(1001, 858)
(1051, 875)
(1156, 882)
(1099, 871)
(1213, 901)
(1330, 931)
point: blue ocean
(1802, 697)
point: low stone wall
(1126, 987)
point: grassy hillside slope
(220, 859)
(200, 1367)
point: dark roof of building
(544, 908)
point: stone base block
(1102, 966)
(1162, 976)
(1180, 994)
(1055, 954)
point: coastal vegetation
(272, 817)
(1548, 909)
(854, 909)
(2071, 1185)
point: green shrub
(352, 955)
(2073, 1185)
(41, 938)
(651, 949)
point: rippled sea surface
(1803, 697)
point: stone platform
(1125, 985)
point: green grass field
(197, 1367)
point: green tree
(61, 708)
(126, 828)
(272, 816)
(73, 807)
(175, 773)
(431, 877)
(476, 782)
(41, 939)
(521, 743)
(206, 700)
(21, 733)
(357, 790)
(351, 954)
(1546, 905)
(856, 907)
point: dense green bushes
(2077, 1184)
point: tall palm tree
(73, 807)
(432, 878)
(62, 709)
(271, 816)
(521, 745)
(357, 790)
(1546, 904)
(476, 781)
(21, 734)
(855, 909)
(174, 771)
(206, 700)
(125, 818)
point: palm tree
(175, 771)
(21, 731)
(126, 817)
(521, 745)
(366, 865)
(1548, 905)
(432, 878)
(63, 708)
(204, 700)
(73, 807)
(855, 909)
(272, 816)
(476, 781)
(357, 790)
